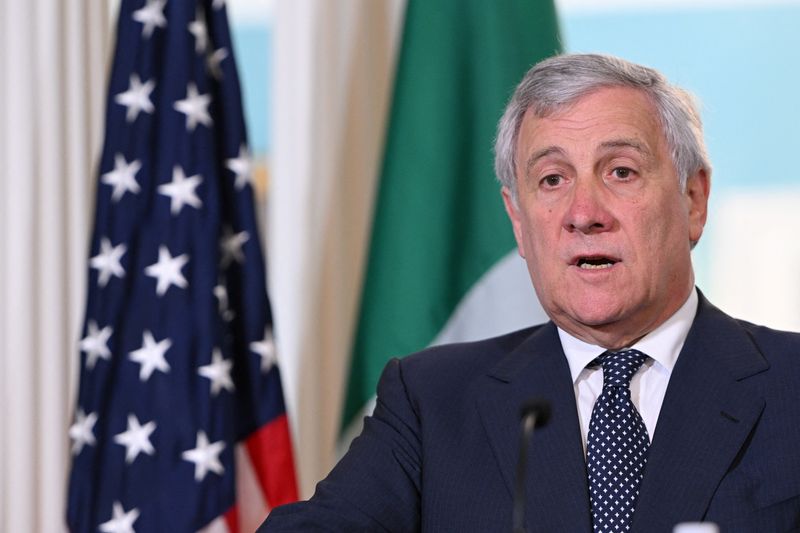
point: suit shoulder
(465, 358)
(773, 344)
(772, 341)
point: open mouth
(595, 263)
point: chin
(597, 315)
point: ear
(516, 219)
(698, 187)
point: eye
(552, 180)
(622, 173)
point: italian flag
(442, 262)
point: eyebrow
(539, 154)
(628, 143)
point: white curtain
(52, 84)
(334, 63)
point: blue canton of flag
(177, 360)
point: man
(664, 409)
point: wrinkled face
(601, 219)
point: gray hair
(559, 81)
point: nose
(587, 210)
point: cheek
(542, 235)
(664, 234)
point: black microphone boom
(540, 409)
(534, 413)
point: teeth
(589, 266)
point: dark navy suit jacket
(440, 451)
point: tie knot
(619, 367)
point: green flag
(439, 225)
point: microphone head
(538, 408)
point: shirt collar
(663, 344)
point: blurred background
(317, 83)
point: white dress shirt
(649, 384)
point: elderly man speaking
(664, 409)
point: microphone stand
(534, 413)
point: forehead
(593, 121)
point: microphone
(533, 413)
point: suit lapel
(557, 492)
(707, 413)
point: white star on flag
(168, 270)
(95, 344)
(151, 15)
(181, 190)
(136, 98)
(122, 178)
(107, 261)
(214, 62)
(121, 522)
(151, 355)
(231, 246)
(266, 349)
(195, 107)
(205, 456)
(82, 431)
(199, 29)
(136, 438)
(219, 372)
(242, 166)
(221, 293)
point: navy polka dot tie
(617, 444)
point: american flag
(180, 397)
